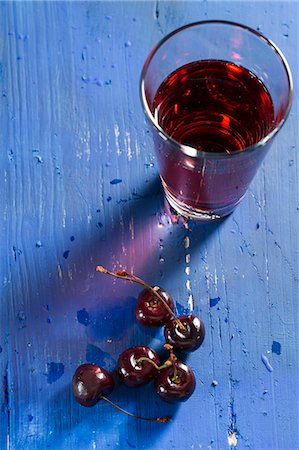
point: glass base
(195, 213)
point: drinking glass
(216, 93)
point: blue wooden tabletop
(79, 187)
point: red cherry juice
(219, 108)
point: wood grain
(72, 123)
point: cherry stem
(162, 419)
(164, 366)
(129, 277)
(172, 359)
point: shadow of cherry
(145, 402)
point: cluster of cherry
(173, 380)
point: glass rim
(191, 151)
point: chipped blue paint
(83, 317)
(21, 316)
(276, 347)
(38, 158)
(92, 80)
(97, 356)
(180, 309)
(116, 181)
(266, 363)
(214, 301)
(16, 252)
(22, 37)
(54, 372)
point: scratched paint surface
(79, 187)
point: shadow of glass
(110, 322)
(144, 215)
(112, 329)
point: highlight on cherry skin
(185, 333)
(92, 383)
(186, 340)
(137, 365)
(150, 311)
(175, 383)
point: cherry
(175, 383)
(92, 383)
(150, 311)
(187, 339)
(154, 290)
(137, 365)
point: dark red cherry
(150, 311)
(135, 372)
(175, 383)
(90, 382)
(185, 340)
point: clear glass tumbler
(216, 93)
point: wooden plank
(70, 103)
